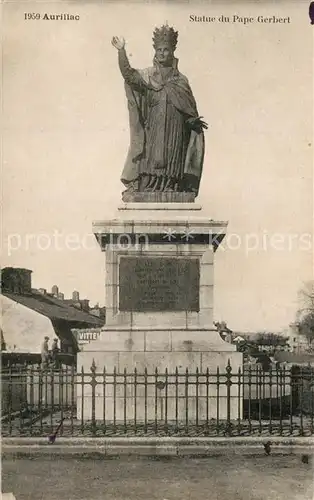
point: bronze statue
(166, 150)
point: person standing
(54, 351)
(45, 353)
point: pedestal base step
(166, 197)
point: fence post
(135, 400)
(312, 397)
(40, 396)
(114, 399)
(31, 397)
(228, 384)
(145, 402)
(250, 396)
(217, 399)
(207, 400)
(52, 383)
(72, 398)
(156, 400)
(177, 399)
(23, 393)
(197, 397)
(61, 394)
(186, 394)
(104, 397)
(93, 384)
(270, 384)
(10, 391)
(301, 432)
(166, 400)
(82, 399)
(240, 398)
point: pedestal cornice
(160, 223)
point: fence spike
(93, 367)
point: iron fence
(250, 401)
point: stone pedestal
(159, 284)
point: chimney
(60, 296)
(75, 296)
(85, 305)
(43, 291)
(16, 280)
(95, 311)
(55, 290)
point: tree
(306, 326)
(305, 315)
(3, 344)
(271, 339)
(306, 296)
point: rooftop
(54, 308)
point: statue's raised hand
(118, 43)
(197, 124)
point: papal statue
(166, 150)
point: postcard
(157, 270)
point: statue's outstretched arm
(130, 75)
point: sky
(65, 138)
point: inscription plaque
(158, 284)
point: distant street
(214, 478)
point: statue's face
(164, 54)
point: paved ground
(215, 478)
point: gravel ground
(214, 478)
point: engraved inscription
(158, 284)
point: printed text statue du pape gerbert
(166, 150)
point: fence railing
(180, 402)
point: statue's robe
(165, 153)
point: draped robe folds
(165, 153)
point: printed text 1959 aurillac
(36, 16)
